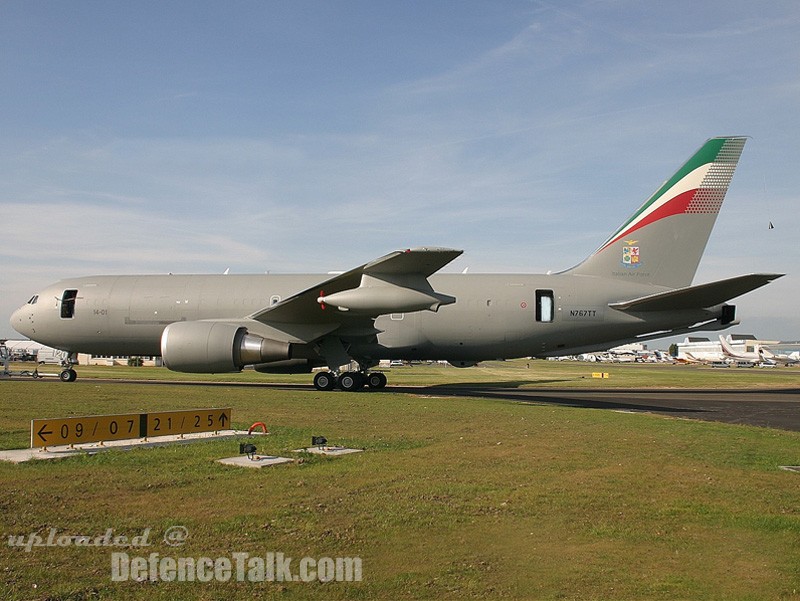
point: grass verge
(453, 498)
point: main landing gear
(349, 381)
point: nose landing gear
(68, 375)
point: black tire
(324, 380)
(68, 375)
(376, 380)
(351, 381)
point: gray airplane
(636, 286)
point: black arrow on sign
(222, 418)
(42, 432)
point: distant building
(695, 348)
(633, 347)
(84, 359)
(28, 350)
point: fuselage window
(545, 306)
(68, 304)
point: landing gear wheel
(376, 380)
(324, 380)
(351, 381)
(68, 375)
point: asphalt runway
(770, 408)
(773, 408)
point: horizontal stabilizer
(694, 297)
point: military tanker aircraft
(636, 286)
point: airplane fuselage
(495, 316)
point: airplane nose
(22, 321)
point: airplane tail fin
(663, 241)
(727, 349)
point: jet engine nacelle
(217, 347)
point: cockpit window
(68, 304)
(33, 300)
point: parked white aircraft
(761, 355)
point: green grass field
(528, 373)
(453, 497)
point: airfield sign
(75, 430)
(96, 428)
(187, 422)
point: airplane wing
(692, 297)
(394, 283)
(425, 261)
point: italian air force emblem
(630, 255)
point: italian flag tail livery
(663, 241)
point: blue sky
(191, 137)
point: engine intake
(217, 347)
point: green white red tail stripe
(697, 187)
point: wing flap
(693, 297)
